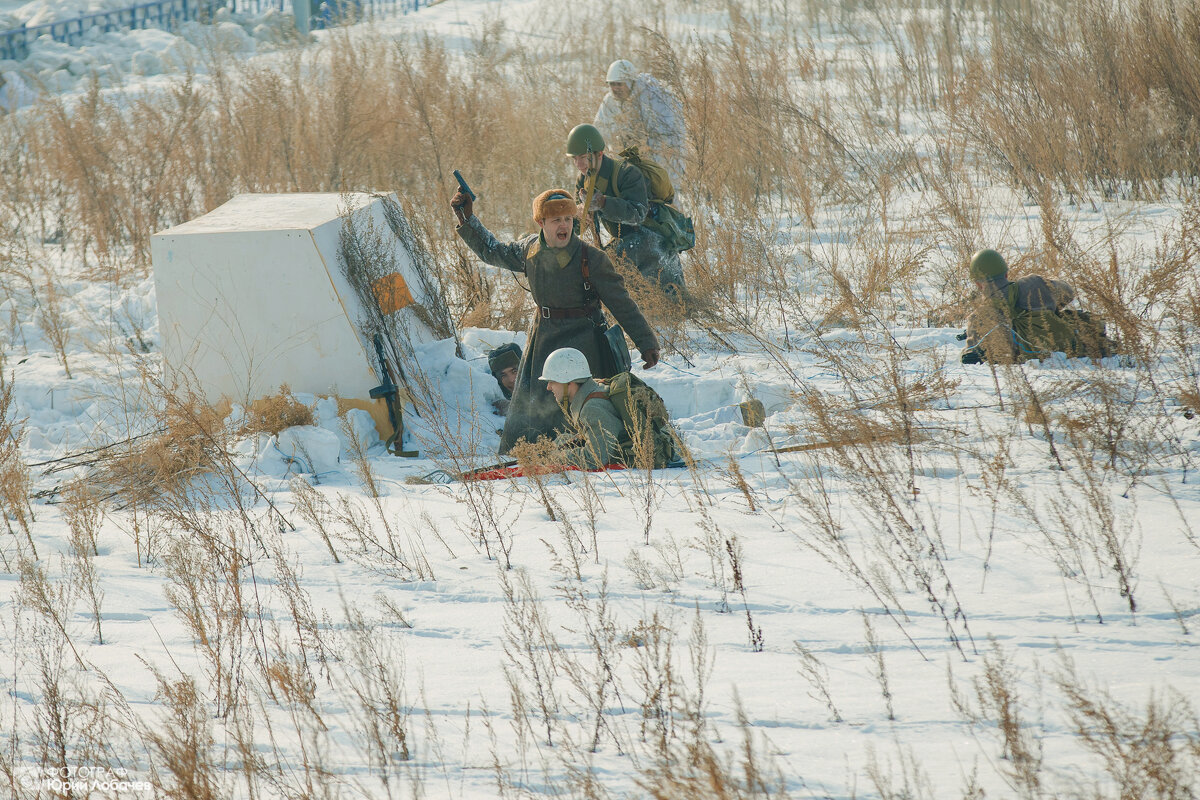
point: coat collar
(581, 397)
(996, 286)
(571, 249)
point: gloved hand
(598, 200)
(463, 206)
(649, 358)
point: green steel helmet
(987, 264)
(584, 139)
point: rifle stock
(589, 188)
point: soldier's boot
(972, 355)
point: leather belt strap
(566, 313)
(589, 294)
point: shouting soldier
(569, 280)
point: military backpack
(658, 181)
(1037, 334)
(676, 228)
(648, 436)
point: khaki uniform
(989, 329)
(599, 426)
(626, 203)
(556, 281)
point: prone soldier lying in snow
(1023, 319)
(620, 422)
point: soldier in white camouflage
(639, 111)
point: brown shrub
(276, 413)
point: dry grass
(184, 742)
(1061, 102)
(165, 462)
(769, 137)
(1151, 753)
(1101, 96)
(15, 482)
(275, 413)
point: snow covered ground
(944, 607)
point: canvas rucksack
(658, 181)
(1091, 334)
(644, 417)
(676, 228)
(1037, 334)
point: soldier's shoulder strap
(589, 293)
(531, 252)
(606, 176)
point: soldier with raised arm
(570, 281)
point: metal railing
(166, 14)
(169, 14)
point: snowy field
(972, 582)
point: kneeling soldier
(586, 404)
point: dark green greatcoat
(533, 411)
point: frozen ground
(834, 599)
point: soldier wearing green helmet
(614, 195)
(987, 265)
(1017, 320)
(584, 139)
